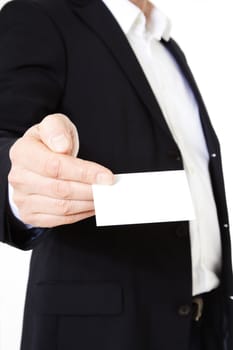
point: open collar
(130, 17)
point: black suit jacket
(115, 287)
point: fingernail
(104, 179)
(60, 143)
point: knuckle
(61, 189)
(54, 118)
(63, 116)
(12, 177)
(48, 118)
(84, 172)
(63, 207)
(25, 216)
(52, 166)
(18, 200)
(14, 150)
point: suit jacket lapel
(206, 123)
(95, 14)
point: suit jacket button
(184, 310)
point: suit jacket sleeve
(32, 77)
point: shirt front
(181, 113)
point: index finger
(33, 155)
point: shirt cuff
(35, 231)
(14, 207)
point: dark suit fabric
(121, 287)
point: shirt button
(184, 310)
(226, 225)
(213, 155)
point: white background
(204, 29)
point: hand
(51, 186)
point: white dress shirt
(181, 113)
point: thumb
(59, 134)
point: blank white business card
(147, 197)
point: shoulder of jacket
(51, 6)
(55, 10)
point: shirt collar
(130, 17)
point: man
(110, 69)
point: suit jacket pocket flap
(77, 298)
